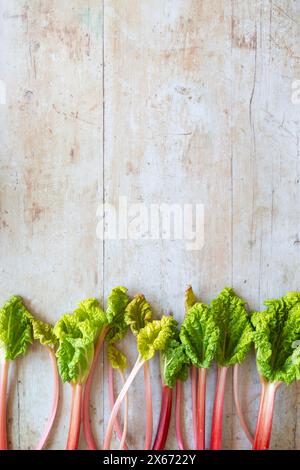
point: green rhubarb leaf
(236, 331)
(115, 313)
(277, 339)
(91, 310)
(138, 313)
(76, 347)
(117, 358)
(15, 328)
(43, 332)
(174, 363)
(74, 361)
(200, 335)
(155, 336)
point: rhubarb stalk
(200, 336)
(265, 416)
(138, 314)
(149, 411)
(108, 436)
(75, 421)
(237, 404)
(179, 436)
(277, 345)
(217, 417)
(201, 407)
(51, 419)
(194, 381)
(126, 409)
(152, 337)
(174, 367)
(164, 419)
(117, 426)
(77, 335)
(89, 436)
(235, 340)
(16, 336)
(3, 404)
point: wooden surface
(181, 101)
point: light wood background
(172, 101)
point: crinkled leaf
(155, 336)
(76, 347)
(90, 309)
(15, 328)
(276, 338)
(200, 335)
(117, 358)
(138, 313)
(70, 327)
(74, 362)
(116, 305)
(190, 298)
(43, 332)
(66, 326)
(236, 331)
(174, 363)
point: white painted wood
(51, 179)
(197, 109)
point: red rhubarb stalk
(149, 411)
(265, 415)
(217, 418)
(237, 404)
(179, 436)
(75, 421)
(194, 402)
(111, 381)
(201, 402)
(164, 419)
(89, 436)
(3, 405)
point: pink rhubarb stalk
(164, 419)
(179, 436)
(75, 421)
(51, 419)
(194, 402)
(201, 407)
(149, 411)
(265, 415)
(217, 418)
(108, 436)
(89, 437)
(3, 405)
(237, 404)
(117, 425)
(125, 427)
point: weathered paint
(197, 108)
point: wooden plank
(188, 90)
(265, 152)
(198, 109)
(167, 140)
(51, 180)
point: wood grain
(51, 180)
(165, 101)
